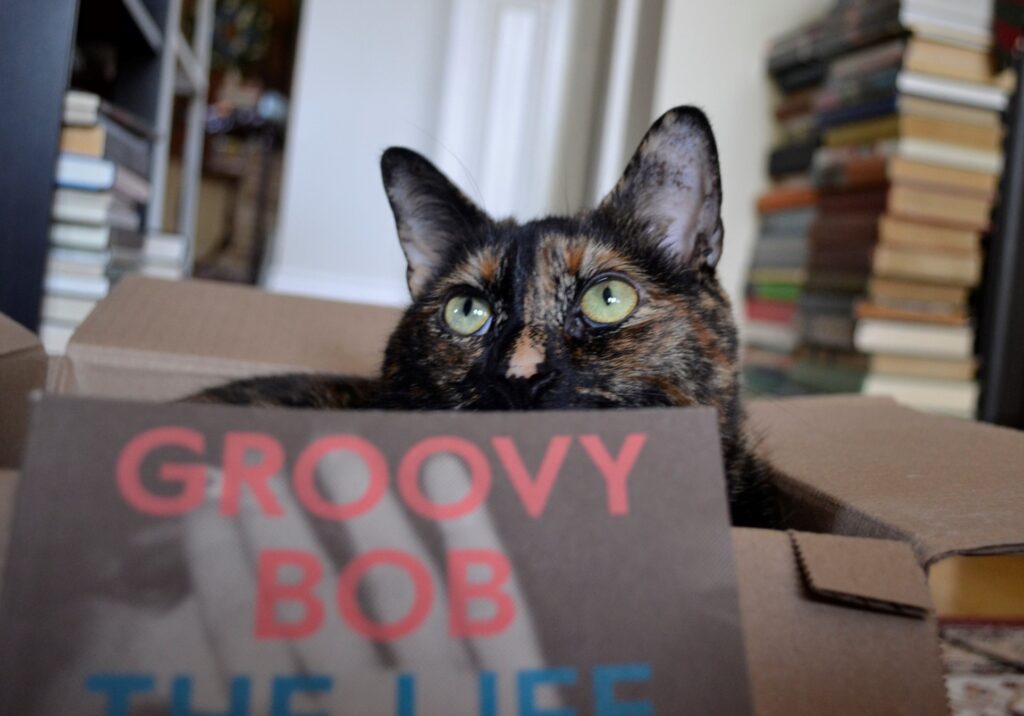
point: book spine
(126, 149)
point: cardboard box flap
(869, 467)
(22, 370)
(873, 574)
(160, 340)
(810, 657)
(15, 338)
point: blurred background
(872, 235)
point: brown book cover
(965, 114)
(786, 197)
(869, 309)
(947, 179)
(943, 308)
(986, 139)
(927, 236)
(798, 103)
(951, 369)
(854, 172)
(952, 61)
(834, 230)
(83, 140)
(861, 200)
(957, 269)
(212, 559)
(850, 258)
(881, 288)
(950, 210)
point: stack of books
(97, 230)
(803, 313)
(775, 283)
(164, 255)
(907, 173)
(786, 211)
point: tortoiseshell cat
(614, 307)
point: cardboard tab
(22, 370)
(867, 573)
(811, 657)
(869, 467)
(162, 340)
(371, 563)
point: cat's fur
(660, 227)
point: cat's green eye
(467, 315)
(609, 301)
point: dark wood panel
(36, 40)
(1002, 316)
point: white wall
(368, 75)
(498, 93)
(373, 74)
(713, 55)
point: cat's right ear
(430, 212)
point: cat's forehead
(539, 254)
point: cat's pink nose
(526, 358)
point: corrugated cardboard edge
(879, 575)
(133, 359)
(814, 511)
(163, 340)
(88, 369)
(808, 508)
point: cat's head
(615, 306)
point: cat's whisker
(598, 393)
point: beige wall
(713, 55)
(427, 74)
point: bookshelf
(156, 64)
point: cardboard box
(872, 468)
(162, 340)
(22, 370)
(836, 625)
(8, 487)
(833, 624)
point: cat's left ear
(671, 191)
(430, 212)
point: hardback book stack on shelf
(777, 273)
(98, 207)
(907, 172)
(775, 283)
(798, 64)
(97, 233)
